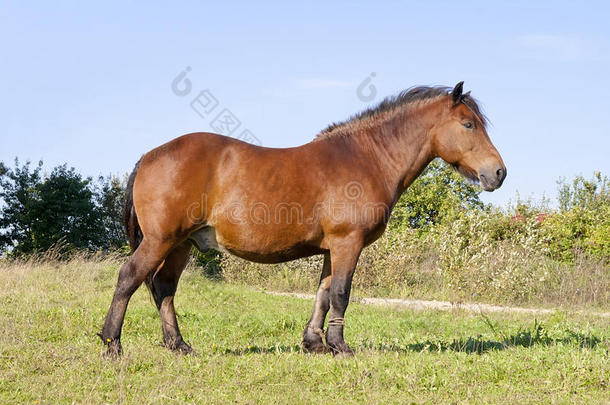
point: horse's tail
(132, 227)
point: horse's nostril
(499, 173)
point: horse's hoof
(313, 340)
(342, 351)
(114, 350)
(343, 355)
(314, 347)
(181, 348)
(185, 349)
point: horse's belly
(208, 238)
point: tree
(439, 193)
(584, 193)
(109, 199)
(18, 191)
(582, 223)
(38, 212)
(65, 211)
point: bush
(436, 196)
(209, 262)
(582, 223)
(485, 254)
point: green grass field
(248, 348)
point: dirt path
(421, 305)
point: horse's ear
(457, 92)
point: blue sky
(90, 85)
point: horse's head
(460, 139)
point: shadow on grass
(277, 349)
(537, 336)
(527, 338)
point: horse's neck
(401, 149)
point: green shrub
(597, 241)
(582, 223)
(437, 195)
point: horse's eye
(467, 124)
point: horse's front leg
(344, 256)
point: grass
(248, 346)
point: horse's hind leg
(162, 285)
(313, 333)
(145, 259)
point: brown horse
(332, 196)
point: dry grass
(409, 266)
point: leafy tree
(65, 211)
(38, 212)
(584, 193)
(583, 221)
(19, 194)
(438, 194)
(109, 199)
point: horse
(332, 196)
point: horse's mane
(401, 100)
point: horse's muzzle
(492, 177)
